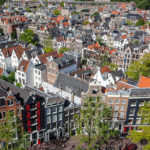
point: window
(39, 72)
(49, 111)
(117, 101)
(123, 101)
(54, 109)
(122, 108)
(115, 114)
(133, 103)
(130, 121)
(19, 73)
(35, 71)
(116, 108)
(138, 121)
(54, 118)
(49, 119)
(110, 101)
(60, 116)
(141, 103)
(10, 102)
(121, 114)
(18, 111)
(132, 111)
(60, 108)
(94, 91)
(23, 75)
(1, 117)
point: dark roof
(66, 83)
(3, 93)
(15, 90)
(143, 92)
(33, 53)
(40, 67)
(118, 73)
(64, 61)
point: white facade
(39, 77)
(50, 88)
(14, 60)
(25, 77)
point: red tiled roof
(94, 46)
(24, 64)
(105, 69)
(8, 51)
(43, 57)
(144, 82)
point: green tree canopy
(100, 41)
(62, 4)
(10, 130)
(57, 12)
(63, 49)
(104, 60)
(10, 78)
(93, 124)
(28, 36)
(142, 4)
(85, 22)
(144, 133)
(140, 67)
(48, 45)
(48, 49)
(140, 22)
(95, 14)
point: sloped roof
(24, 64)
(66, 82)
(144, 82)
(43, 57)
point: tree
(48, 49)
(140, 22)
(48, 45)
(62, 4)
(74, 13)
(10, 78)
(113, 67)
(19, 84)
(140, 67)
(57, 12)
(85, 22)
(63, 49)
(100, 41)
(14, 35)
(28, 36)
(10, 130)
(93, 124)
(144, 133)
(104, 60)
(95, 14)
(1, 32)
(129, 22)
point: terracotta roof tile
(105, 69)
(24, 64)
(43, 57)
(144, 82)
(94, 46)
